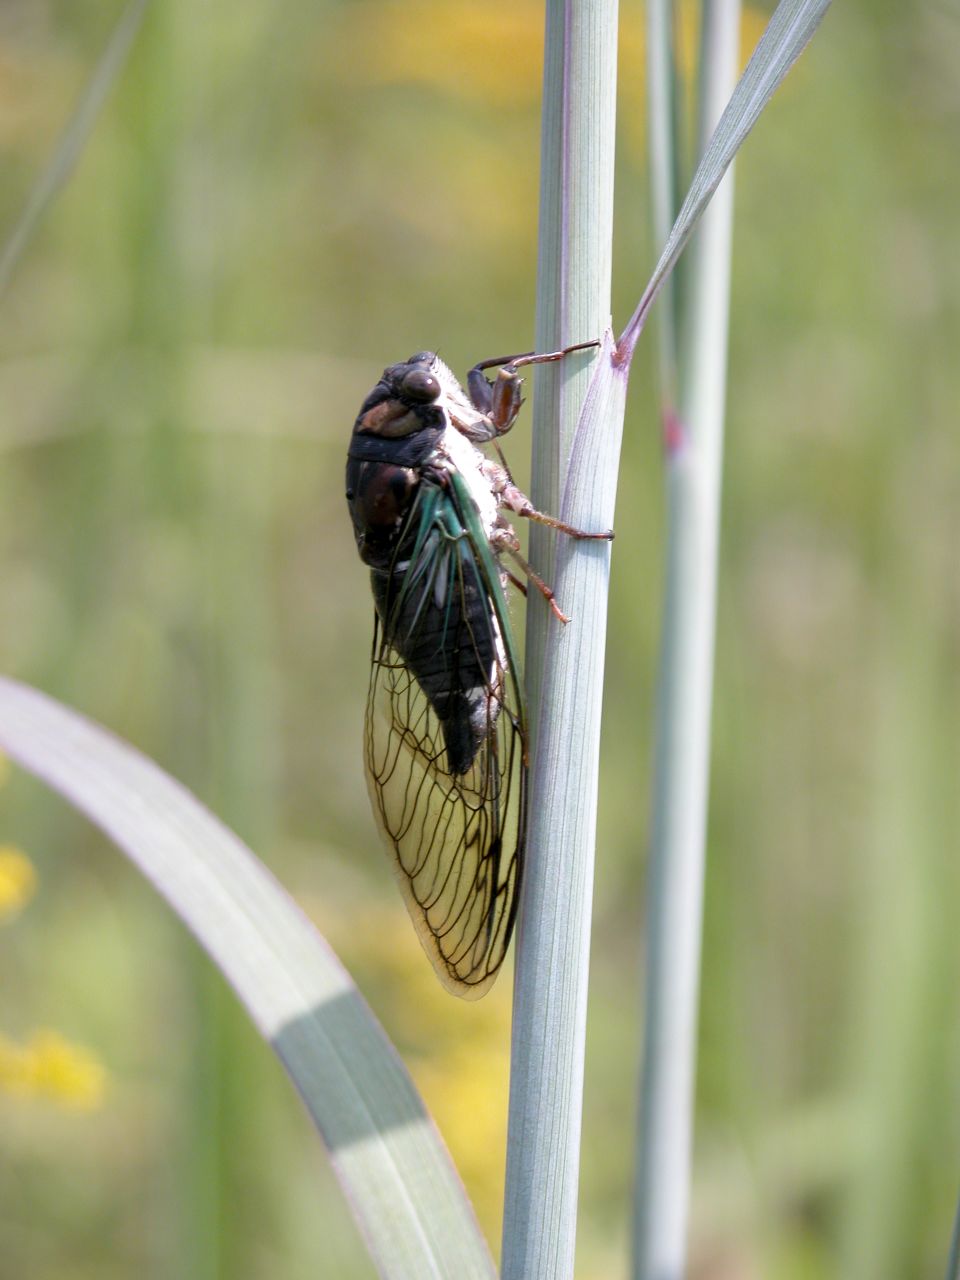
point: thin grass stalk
(573, 305)
(157, 104)
(74, 138)
(681, 770)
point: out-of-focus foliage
(277, 202)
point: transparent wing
(456, 834)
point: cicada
(445, 736)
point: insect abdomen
(448, 639)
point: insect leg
(505, 539)
(529, 512)
(500, 400)
(504, 466)
(531, 357)
(517, 582)
(515, 500)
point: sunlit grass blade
(565, 673)
(74, 137)
(550, 998)
(787, 35)
(392, 1165)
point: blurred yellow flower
(494, 53)
(488, 53)
(18, 881)
(488, 57)
(467, 1091)
(48, 1066)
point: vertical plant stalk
(663, 95)
(564, 668)
(694, 442)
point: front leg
(500, 401)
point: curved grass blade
(391, 1162)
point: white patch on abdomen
(469, 461)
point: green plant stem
(546, 1086)
(694, 458)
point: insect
(445, 735)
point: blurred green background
(276, 202)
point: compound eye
(420, 385)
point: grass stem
(573, 305)
(694, 442)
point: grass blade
(573, 304)
(681, 776)
(393, 1167)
